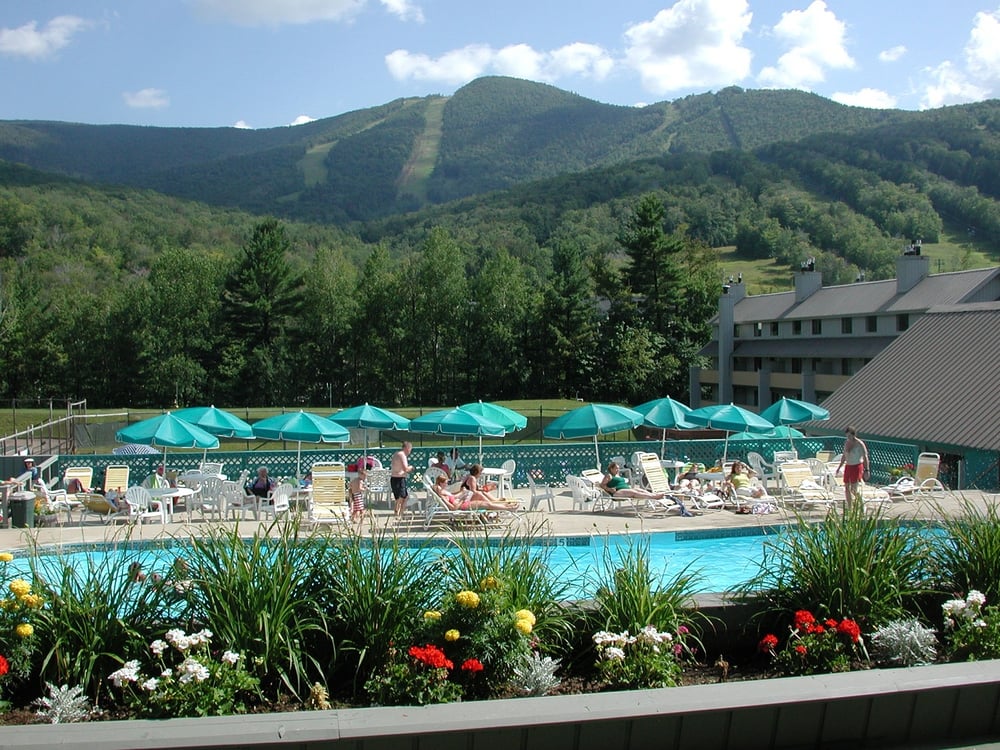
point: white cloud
(949, 85)
(242, 125)
(30, 42)
(693, 43)
(406, 10)
(892, 54)
(302, 120)
(871, 98)
(519, 60)
(147, 99)
(278, 12)
(982, 52)
(816, 39)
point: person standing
(356, 490)
(399, 475)
(854, 461)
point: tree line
(444, 324)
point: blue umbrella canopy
(666, 414)
(730, 418)
(167, 431)
(781, 431)
(216, 421)
(793, 411)
(508, 418)
(135, 449)
(302, 427)
(458, 422)
(593, 420)
(370, 417)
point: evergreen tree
(259, 301)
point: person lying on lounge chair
(468, 499)
(617, 486)
(740, 479)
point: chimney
(806, 283)
(911, 269)
(731, 294)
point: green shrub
(814, 647)
(971, 628)
(968, 555)
(855, 565)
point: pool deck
(564, 521)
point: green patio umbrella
(218, 422)
(457, 422)
(509, 419)
(302, 427)
(787, 411)
(593, 420)
(666, 414)
(167, 431)
(730, 418)
(369, 417)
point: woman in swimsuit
(467, 499)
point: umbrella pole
(298, 462)
(480, 449)
(663, 444)
(597, 453)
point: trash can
(22, 510)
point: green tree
(259, 300)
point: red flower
(803, 619)
(850, 628)
(432, 656)
(472, 665)
(818, 629)
(831, 623)
(768, 643)
(4, 666)
(801, 650)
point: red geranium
(4, 666)
(801, 650)
(472, 665)
(432, 656)
(768, 643)
(803, 619)
(850, 628)
(831, 623)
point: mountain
(492, 134)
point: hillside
(492, 134)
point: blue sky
(268, 63)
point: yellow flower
(524, 614)
(24, 630)
(432, 614)
(6, 557)
(19, 587)
(468, 599)
(33, 600)
(489, 583)
(8, 604)
(523, 626)
(452, 635)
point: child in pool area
(357, 494)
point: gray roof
(936, 384)
(867, 298)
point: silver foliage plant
(904, 643)
(536, 676)
(64, 705)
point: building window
(817, 327)
(847, 325)
(871, 324)
(902, 321)
(774, 328)
(736, 332)
(796, 327)
(758, 329)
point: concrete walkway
(563, 521)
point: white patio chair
(540, 493)
(142, 506)
(506, 483)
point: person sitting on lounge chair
(617, 486)
(468, 499)
(740, 480)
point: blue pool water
(720, 562)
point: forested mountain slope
(493, 133)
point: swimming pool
(721, 562)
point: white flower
(230, 657)
(158, 647)
(168, 672)
(173, 634)
(150, 684)
(128, 673)
(614, 654)
(980, 623)
(976, 597)
(604, 637)
(192, 669)
(200, 638)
